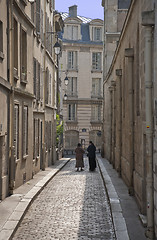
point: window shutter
(41, 83)
(34, 75)
(38, 16)
(46, 97)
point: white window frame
(72, 112)
(72, 60)
(96, 61)
(95, 113)
(96, 87)
(72, 86)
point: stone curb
(116, 210)
(16, 217)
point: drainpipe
(119, 122)
(148, 23)
(129, 53)
(11, 79)
(44, 96)
(113, 83)
(111, 103)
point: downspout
(44, 95)
(129, 53)
(11, 79)
(119, 80)
(111, 103)
(148, 23)
(113, 83)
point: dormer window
(97, 34)
(72, 32)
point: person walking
(79, 157)
(91, 156)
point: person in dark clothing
(79, 157)
(91, 156)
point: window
(15, 47)
(97, 34)
(72, 86)
(123, 4)
(1, 36)
(23, 56)
(72, 60)
(96, 87)
(96, 113)
(96, 61)
(36, 144)
(16, 130)
(38, 7)
(25, 131)
(72, 32)
(72, 112)
(36, 79)
(50, 89)
(48, 98)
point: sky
(86, 8)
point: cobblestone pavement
(72, 206)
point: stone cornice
(5, 84)
(23, 14)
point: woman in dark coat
(79, 157)
(91, 155)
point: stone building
(81, 62)
(29, 83)
(130, 108)
(5, 88)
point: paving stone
(73, 205)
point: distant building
(81, 62)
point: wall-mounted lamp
(57, 48)
(31, 1)
(66, 81)
(65, 96)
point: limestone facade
(81, 62)
(29, 83)
(130, 108)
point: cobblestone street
(72, 206)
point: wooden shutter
(34, 75)
(38, 16)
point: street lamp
(66, 81)
(57, 48)
(65, 96)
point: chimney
(73, 11)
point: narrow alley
(73, 205)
